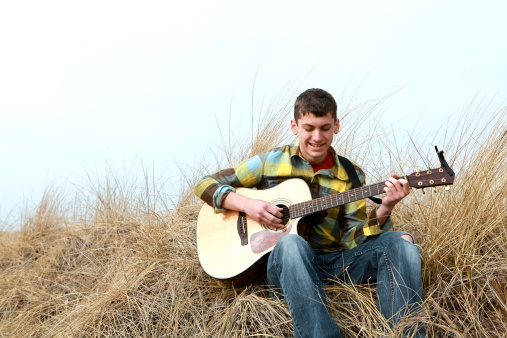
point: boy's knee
(292, 246)
(291, 242)
(408, 237)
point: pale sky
(85, 83)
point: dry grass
(115, 262)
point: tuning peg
(424, 192)
(447, 188)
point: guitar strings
(312, 206)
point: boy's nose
(317, 135)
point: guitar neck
(331, 201)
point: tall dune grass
(116, 261)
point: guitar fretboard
(331, 201)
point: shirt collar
(337, 171)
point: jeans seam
(388, 265)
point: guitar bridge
(242, 228)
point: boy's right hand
(265, 213)
(260, 211)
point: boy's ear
(336, 126)
(294, 127)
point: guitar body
(222, 254)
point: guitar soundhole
(285, 213)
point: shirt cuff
(219, 196)
(371, 230)
(373, 226)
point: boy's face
(315, 135)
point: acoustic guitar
(229, 244)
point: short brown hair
(315, 101)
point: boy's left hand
(396, 189)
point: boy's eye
(311, 129)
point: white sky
(82, 83)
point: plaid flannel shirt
(268, 169)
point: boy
(344, 243)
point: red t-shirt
(326, 164)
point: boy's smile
(315, 135)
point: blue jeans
(388, 260)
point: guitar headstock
(430, 178)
